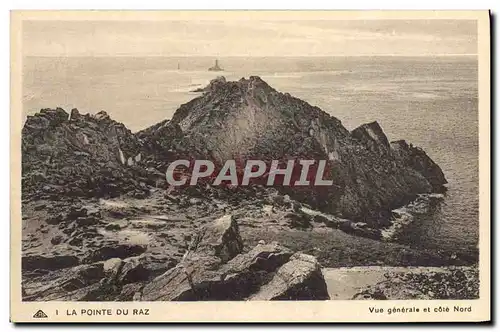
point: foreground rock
(224, 273)
(299, 279)
(214, 267)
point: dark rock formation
(417, 159)
(299, 279)
(115, 251)
(208, 275)
(70, 284)
(81, 245)
(221, 239)
(67, 155)
(212, 85)
(373, 137)
(248, 119)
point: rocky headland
(100, 222)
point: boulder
(299, 279)
(220, 239)
(113, 227)
(56, 219)
(373, 137)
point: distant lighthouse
(216, 67)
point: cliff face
(77, 155)
(248, 119)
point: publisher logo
(40, 314)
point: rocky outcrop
(373, 137)
(70, 284)
(417, 159)
(220, 239)
(248, 119)
(91, 155)
(74, 155)
(214, 267)
(212, 85)
(206, 273)
(52, 262)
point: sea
(431, 102)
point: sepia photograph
(305, 158)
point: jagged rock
(220, 239)
(77, 242)
(206, 275)
(102, 115)
(130, 291)
(66, 285)
(56, 219)
(212, 85)
(56, 239)
(76, 212)
(206, 278)
(299, 220)
(299, 279)
(76, 155)
(75, 114)
(87, 221)
(360, 229)
(251, 119)
(461, 282)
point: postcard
(250, 166)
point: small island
(216, 67)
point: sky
(249, 38)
